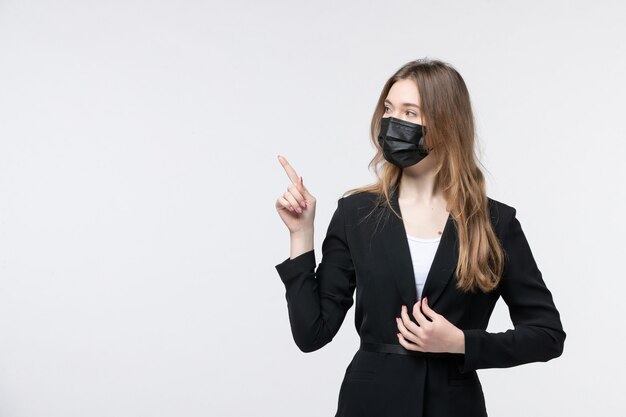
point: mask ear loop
(421, 145)
(422, 142)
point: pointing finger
(291, 173)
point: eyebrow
(404, 104)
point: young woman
(429, 253)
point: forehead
(404, 91)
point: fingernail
(299, 210)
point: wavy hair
(447, 110)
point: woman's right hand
(296, 207)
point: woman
(430, 255)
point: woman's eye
(386, 108)
(412, 113)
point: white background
(138, 175)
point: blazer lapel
(400, 263)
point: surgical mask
(402, 142)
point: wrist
(461, 342)
(301, 242)
(302, 233)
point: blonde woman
(430, 255)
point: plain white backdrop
(138, 175)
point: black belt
(401, 350)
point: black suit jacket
(372, 256)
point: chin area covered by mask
(402, 142)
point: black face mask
(402, 142)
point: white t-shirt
(422, 255)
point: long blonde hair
(447, 109)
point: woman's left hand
(438, 335)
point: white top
(422, 255)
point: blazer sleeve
(317, 301)
(538, 334)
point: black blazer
(373, 257)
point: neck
(418, 182)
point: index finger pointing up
(291, 173)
